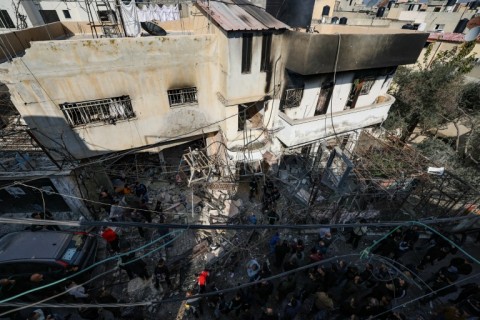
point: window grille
(367, 86)
(293, 97)
(177, 97)
(108, 110)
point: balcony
(360, 48)
(296, 132)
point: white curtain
(130, 19)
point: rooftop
(235, 15)
(346, 29)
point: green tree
(430, 94)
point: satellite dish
(472, 34)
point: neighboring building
(31, 13)
(431, 16)
(233, 75)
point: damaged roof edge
(231, 16)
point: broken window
(5, 20)
(250, 115)
(367, 86)
(107, 16)
(247, 52)
(324, 98)
(266, 49)
(108, 110)
(293, 93)
(177, 97)
(361, 86)
(293, 98)
(49, 16)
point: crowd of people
(348, 289)
(336, 289)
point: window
(108, 110)
(49, 16)
(266, 49)
(178, 97)
(366, 86)
(5, 20)
(326, 92)
(251, 115)
(439, 27)
(292, 98)
(66, 14)
(107, 16)
(247, 52)
(437, 9)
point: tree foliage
(429, 94)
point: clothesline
(133, 15)
(155, 12)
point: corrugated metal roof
(236, 15)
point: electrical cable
(132, 208)
(280, 275)
(84, 223)
(90, 267)
(424, 296)
(367, 250)
(144, 147)
(88, 281)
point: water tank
(343, 20)
(451, 3)
(334, 20)
(461, 25)
(390, 4)
(408, 26)
(474, 5)
(380, 12)
(326, 10)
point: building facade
(228, 73)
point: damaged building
(229, 74)
(228, 94)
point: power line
(85, 223)
(94, 265)
(426, 295)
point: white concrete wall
(77, 10)
(340, 94)
(375, 91)
(143, 68)
(244, 87)
(417, 16)
(343, 85)
(7, 5)
(296, 132)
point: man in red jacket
(202, 281)
(112, 239)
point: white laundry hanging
(150, 12)
(163, 13)
(130, 19)
(142, 13)
(176, 13)
(157, 13)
